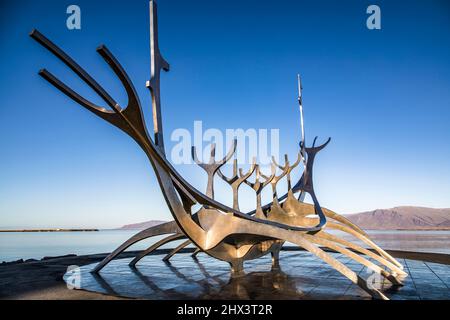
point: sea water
(36, 245)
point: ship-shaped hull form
(215, 229)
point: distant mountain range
(398, 218)
(411, 218)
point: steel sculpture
(220, 231)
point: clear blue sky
(383, 96)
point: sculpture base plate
(300, 276)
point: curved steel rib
(363, 251)
(213, 166)
(165, 228)
(236, 180)
(330, 244)
(155, 246)
(306, 182)
(195, 253)
(288, 168)
(366, 240)
(273, 182)
(258, 187)
(177, 249)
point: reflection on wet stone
(299, 277)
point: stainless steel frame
(216, 229)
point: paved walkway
(301, 276)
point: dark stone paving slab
(301, 276)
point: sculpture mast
(300, 104)
(302, 194)
(157, 63)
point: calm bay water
(411, 240)
(36, 245)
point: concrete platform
(301, 276)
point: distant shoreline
(52, 230)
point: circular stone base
(300, 276)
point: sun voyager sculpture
(216, 229)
